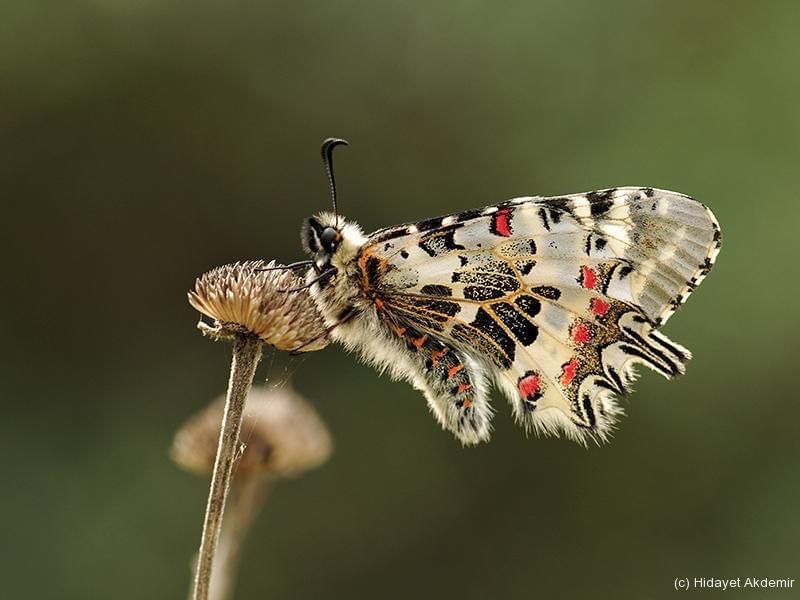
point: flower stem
(246, 354)
(246, 499)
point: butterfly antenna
(327, 159)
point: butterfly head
(330, 240)
(327, 237)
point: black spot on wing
(589, 411)
(441, 241)
(436, 290)
(616, 380)
(404, 253)
(556, 207)
(605, 384)
(706, 266)
(605, 279)
(543, 217)
(504, 282)
(373, 273)
(468, 215)
(631, 350)
(443, 307)
(485, 323)
(677, 352)
(479, 294)
(673, 368)
(486, 264)
(547, 291)
(525, 331)
(389, 234)
(525, 267)
(429, 224)
(600, 202)
(529, 305)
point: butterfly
(553, 300)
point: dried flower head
(243, 299)
(281, 435)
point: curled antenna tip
(327, 159)
(330, 143)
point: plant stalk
(245, 502)
(246, 354)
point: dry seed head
(281, 435)
(241, 299)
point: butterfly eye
(328, 238)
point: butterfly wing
(557, 298)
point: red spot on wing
(600, 307)
(529, 386)
(502, 222)
(467, 402)
(588, 277)
(581, 333)
(463, 388)
(569, 371)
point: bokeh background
(144, 142)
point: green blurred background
(144, 142)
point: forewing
(561, 296)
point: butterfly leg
(344, 317)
